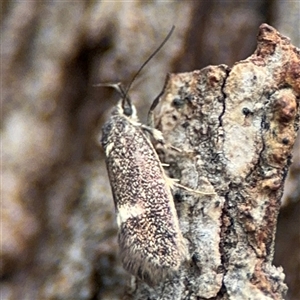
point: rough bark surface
(236, 128)
(287, 21)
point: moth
(152, 247)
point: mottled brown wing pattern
(151, 244)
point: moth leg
(155, 133)
(158, 137)
(193, 191)
(174, 183)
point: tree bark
(236, 129)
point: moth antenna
(126, 101)
(117, 86)
(149, 58)
(127, 109)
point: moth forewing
(151, 244)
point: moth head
(127, 109)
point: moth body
(151, 244)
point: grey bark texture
(236, 128)
(58, 230)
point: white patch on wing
(127, 211)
